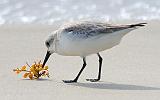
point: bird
(85, 38)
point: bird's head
(50, 44)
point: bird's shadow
(114, 86)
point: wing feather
(88, 29)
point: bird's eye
(47, 44)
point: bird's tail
(137, 25)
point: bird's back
(87, 29)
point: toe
(92, 80)
(69, 81)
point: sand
(130, 70)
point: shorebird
(86, 38)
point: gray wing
(90, 29)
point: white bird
(86, 38)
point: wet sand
(130, 70)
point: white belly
(84, 47)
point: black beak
(46, 58)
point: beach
(130, 70)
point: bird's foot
(93, 80)
(69, 81)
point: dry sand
(131, 70)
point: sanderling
(86, 38)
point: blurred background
(50, 11)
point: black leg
(99, 73)
(75, 80)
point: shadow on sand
(38, 79)
(114, 86)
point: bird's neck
(56, 42)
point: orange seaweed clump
(35, 71)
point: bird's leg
(100, 66)
(75, 80)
